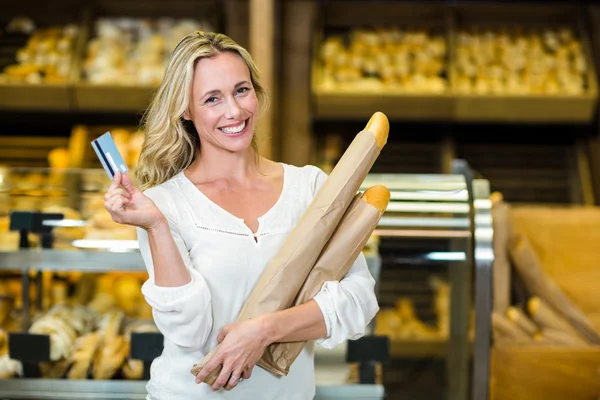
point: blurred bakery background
(496, 99)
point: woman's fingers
(247, 373)
(116, 182)
(223, 378)
(236, 377)
(116, 192)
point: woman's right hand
(128, 205)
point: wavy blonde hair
(171, 143)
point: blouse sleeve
(348, 305)
(182, 314)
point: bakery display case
(429, 236)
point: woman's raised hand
(128, 205)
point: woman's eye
(243, 89)
(211, 99)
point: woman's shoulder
(164, 195)
(309, 176)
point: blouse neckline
(261, 219)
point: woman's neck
(213, 166)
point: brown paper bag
(285, 274)
(337, 258)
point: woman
(212, 214)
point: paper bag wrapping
(285, 274)
(337, 258)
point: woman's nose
(234, 110)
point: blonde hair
(171, 143)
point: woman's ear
(186, 115)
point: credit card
(109, 155)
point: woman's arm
(169, 268)
(340, 311)
(176, 291)
(297, 324)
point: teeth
(235, 129)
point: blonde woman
(211, 215)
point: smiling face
(223, 105)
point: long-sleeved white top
(225, 260)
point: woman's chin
(238, 144)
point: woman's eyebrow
(216, 91)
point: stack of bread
(402, 322)
(132, 51)
(413, 61)
(46, 58)
(520, 61)
(547, 312)
(84, 343)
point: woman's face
(223, 104)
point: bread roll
(9, 368)
(62, 336)
(81, 358)
(110, 357)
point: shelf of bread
(111, 56)
(71, 183)
(501, 63)
(84, 329)
(124, 60)
(37, 62)
(394, 59)
(527, 63)
(410, 336)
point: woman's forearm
(169, 268)
(296, 324)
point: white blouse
(225, 261)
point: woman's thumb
(128, 184)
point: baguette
(82, 356)
(547, 318)
(554, 337)
(506, 330)
(379, 126)
(521, 320)
(378, 196)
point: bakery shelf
(123, 89)
(420, 348)
(71, 260)
(60, 389)
(27, 88)
(14, 96)
(112, 98)
(532, 107)
(417, 348)
(359, 99)
(54, 389)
